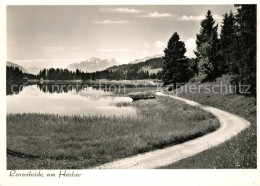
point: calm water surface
(87, 101)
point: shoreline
(143, 82)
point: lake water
(87, 101)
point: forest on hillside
(152, 63)
(16, 74)
(232, 52)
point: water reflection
(12, 89)
(67, 100)
(59, 88)
(53, 88)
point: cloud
(156, 15)
(46, 63)
(114, 50)
(122, 10)
(146, 45)
(64, 49)
(75, 48)
(192, 18)
(111, 22)
(190, 46)
(54, 49)
(200, 17)
(159, 44)
(145, 52)
(217, 17)
(46, 60)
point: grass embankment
(65, 142)
(240, 151)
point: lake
(68, 101)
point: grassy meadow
(240, 151)
(41, 141)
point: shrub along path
(231, 125)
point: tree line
(121, 72)
(114, 74)
(232, 52)
(15, 74)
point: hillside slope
(145, 59)
(240, 151)
(8, 63)
(154, 63)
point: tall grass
(82, 142)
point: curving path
(230, 125)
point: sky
(55, 36)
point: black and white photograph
(159, 87)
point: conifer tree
(176, 67)
(207, 48)
(228, 45)
(246, 33)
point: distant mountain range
(33, 70)
(93, 64)
(151, 63)
(96, 64)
